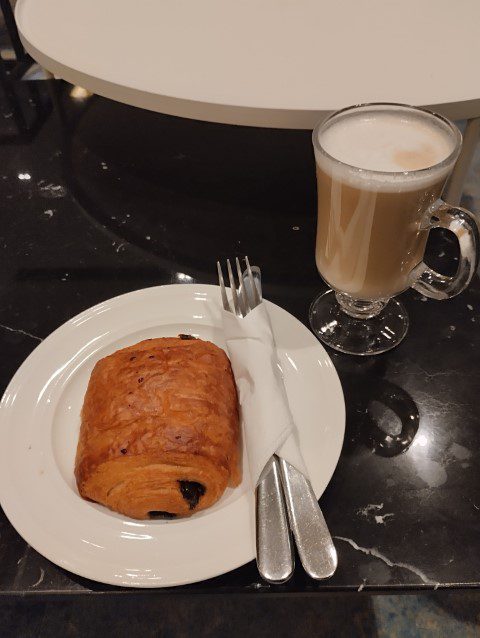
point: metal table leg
(12, 29)
(454, 190)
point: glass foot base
(360, 336)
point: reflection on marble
(386, 417)
(389, 403)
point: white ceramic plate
(39, 425)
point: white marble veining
(50, 190)
(369, 510)
(381, 519)
(40, 578)
(20, 331)
(373, 551)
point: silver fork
(275, 559)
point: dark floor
(438, 614)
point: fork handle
(274, 543)
(314, 543)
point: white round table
(270, 63)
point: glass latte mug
(381, 169)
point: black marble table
(98, 199)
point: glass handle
(463, 224)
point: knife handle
(314, 543)
(274, 543)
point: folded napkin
(268, 425)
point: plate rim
(90, 313)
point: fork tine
(253, 286)
(233, 289)
(243, 292)
(223, 292)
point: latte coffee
(378, 173)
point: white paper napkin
(268, 425)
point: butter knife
(314, 543)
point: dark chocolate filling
(164, 515)
(192, 492)
(182, 336)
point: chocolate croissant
(159, 436)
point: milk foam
(392, 143)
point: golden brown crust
(156, 413)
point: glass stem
(360, 308)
